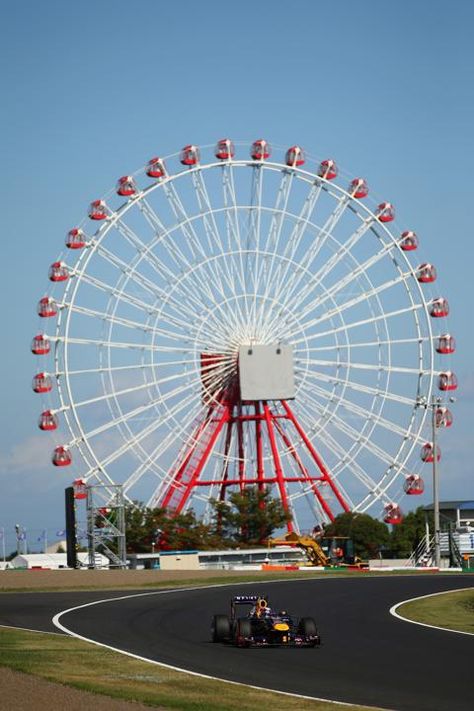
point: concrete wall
(387, 563)
(179, 561)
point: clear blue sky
(91, 90)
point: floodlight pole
(437, 533)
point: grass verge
(453, 611)
(69, 661)
(78, 580)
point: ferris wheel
(244, 320)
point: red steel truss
(276, 427)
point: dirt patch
(23, 692)
(107, 579)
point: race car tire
(307, 627)
(243, 629)
(220, 628)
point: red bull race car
(262, 626)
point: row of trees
(373, 538)
(250, 517)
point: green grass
(85, 666)
(453, 611)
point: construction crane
(312, 549)
(340, 549)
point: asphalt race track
(367, 656)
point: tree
(249, 517)
(148, 528)
(408, 534)
(138, 535)
(369, 534)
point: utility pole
(437, 533)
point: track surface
(367, 657)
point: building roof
(452, 506)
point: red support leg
(259, 448)
(304, 471)
(321, 466)
(277, 464)
(225, 470)
(189, 473)
(241, 450)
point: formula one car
(262, 627)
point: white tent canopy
(53, 561)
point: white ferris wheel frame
(418, 303)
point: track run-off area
(367, 655)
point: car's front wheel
(307, 628)
(243, 630)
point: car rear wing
(247, 599)
(256, 600)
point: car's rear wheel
(220, 628)
(243, 629)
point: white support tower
(106, 525)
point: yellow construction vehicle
(324, 551)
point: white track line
(393, 611)
(65, 629)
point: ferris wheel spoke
(360, 298)
(168, 302)
(253, 239)
(182, 217)
(197, 428)
(120, 368)
(369, 344)
(360, 439)
(364, 413)
(332, 379)
(185, 409)
(360, 269)
(163, 237)
(146, 432)
(132, 389)
(307, 419)
(154, 456)
(117, 344)
(167, 275)
(211, 229)
(365, 366)
(340, 453)
(272, 241)
(344, 250)
(127, 323)
(289, 279)
(124, 449)
(357, 324)
(324, 234)
(234, 237)
(187, 228)
(141, 282)
(279, 269)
